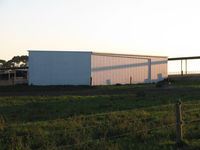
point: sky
(153, 27)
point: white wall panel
(158, 69)
(59, 68)
(108, 69)
(113, 70)
(76, 68)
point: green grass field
(104, 117)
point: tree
(2, 62)
(16, 61)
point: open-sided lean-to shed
(89, 68)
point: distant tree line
(16, 61)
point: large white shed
(89, 68)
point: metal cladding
(59, 68)
(127, 69)
(87, 68)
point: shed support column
(181, 67)
(186, 66)
(90, 81)
(149, 70)
(9, 76)
(14, 78)
(130, 79)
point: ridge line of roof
(59, 51)
(136, 55)
(101, 53)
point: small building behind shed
(13, 76)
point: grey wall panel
(76, 68)
(59, 68)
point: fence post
(90, 81)
(130, 79)
(179, 123)
(181, 67)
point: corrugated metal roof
(70, 51)
(127, 55)
(101, 53)
(183, 58)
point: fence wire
(192, 121)
(131, 133)
(117, 136)
(192, 110)
(191, 104)
(123, 111)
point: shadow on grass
(64, 108)
(36, 108)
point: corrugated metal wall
(108, 69)
(158, 69)
(76, 68)
(59, 68)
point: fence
(178, 73)
(179, 122)
(184, 65)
